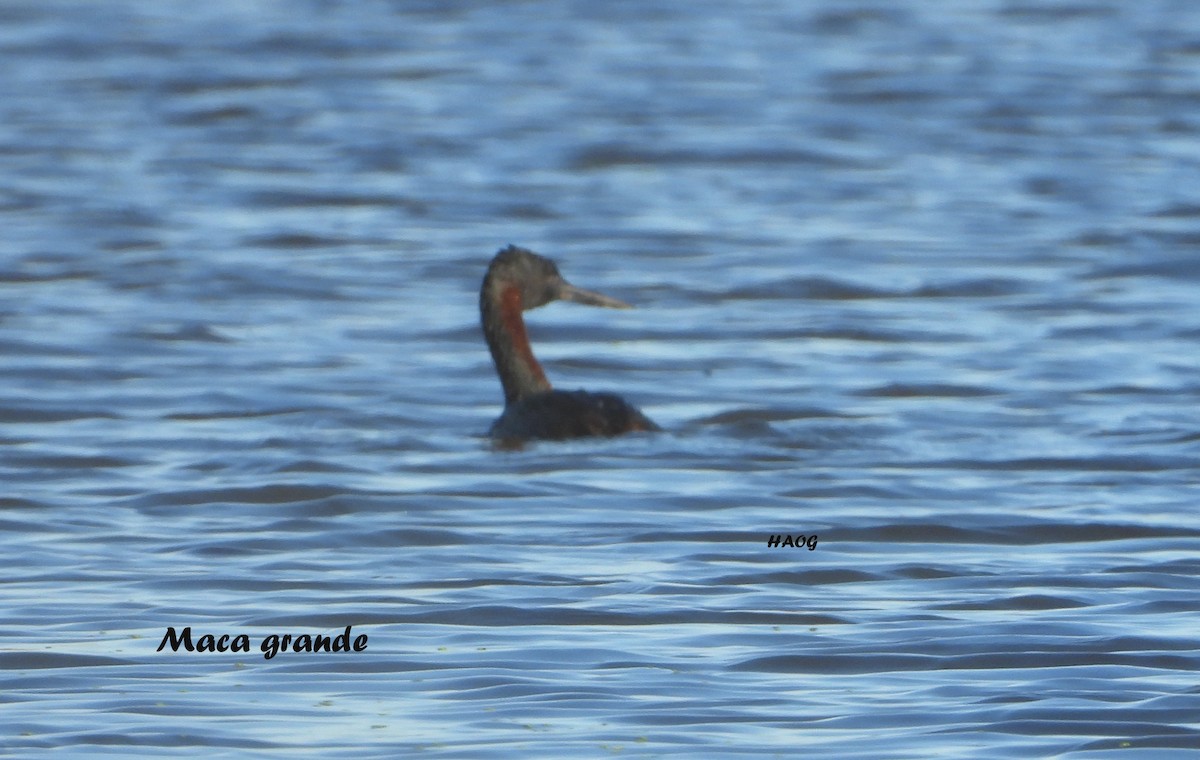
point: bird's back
(557, 415)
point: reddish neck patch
(514, 327)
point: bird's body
(518, 280)
(558, 415)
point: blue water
(919, 279)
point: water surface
(917, 279)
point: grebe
(516, 280)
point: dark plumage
(557, 415)
(518, 280)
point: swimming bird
(518, 280)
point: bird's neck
(500, 307)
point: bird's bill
(569, 292)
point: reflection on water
(917, 281)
